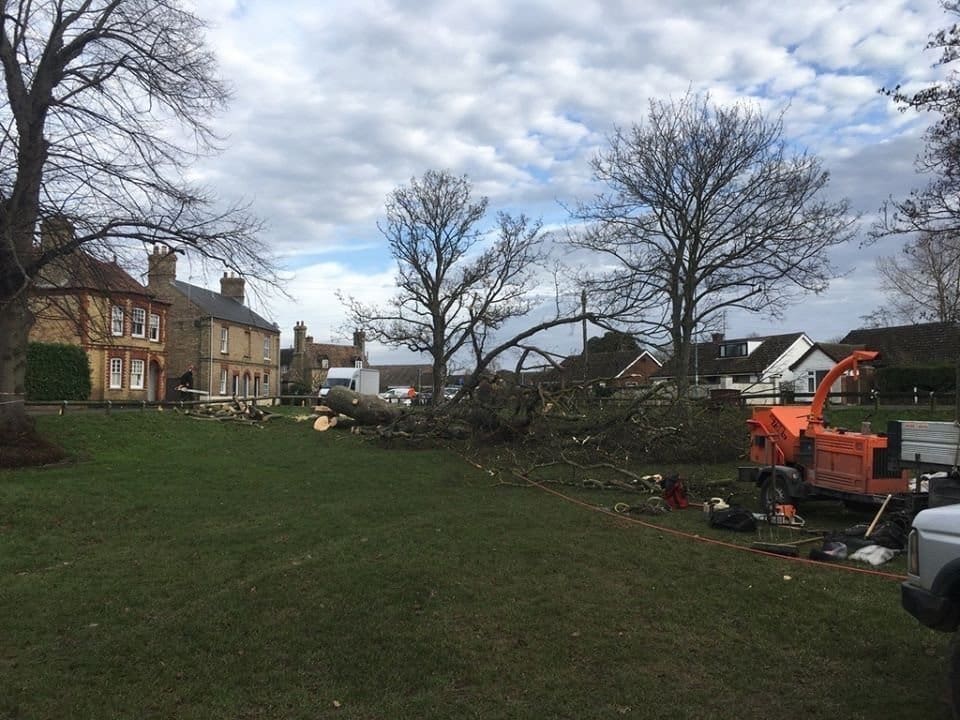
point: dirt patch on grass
(29, 449)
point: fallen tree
(365, 409)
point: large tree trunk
(365, 409)
(13, 363)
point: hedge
(903, 379)
(57, 372)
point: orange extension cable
(701, 538)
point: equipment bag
(735, 517)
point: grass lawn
(201, 570)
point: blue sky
(337, 103)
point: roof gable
(834, 351)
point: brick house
(234, 351)
(305, 365)
(120, 324)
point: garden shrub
(57, 372)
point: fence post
(933, 402)
(108, 406)
(143, 406)
(63, 407)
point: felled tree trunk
(365, 409)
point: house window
(138, 322)
(154, 327)
(116, 320)
(224, 340)
(223, 381)
(733, 350)
(116, 373)
(236, 385)
(266, 383)
(136, 374)
(324, 363)
(249, 346)
(814, 378)
(266, 348)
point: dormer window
(737, 349)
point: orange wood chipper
(800, 457)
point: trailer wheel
(774, 491)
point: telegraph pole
(583, 307)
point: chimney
(232, 287)
(299, 333)
(161, 266)
(359, 341)
(55, 232)
(717, 337)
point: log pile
(233, 411)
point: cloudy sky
(337, 103)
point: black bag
(735, 517)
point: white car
(399, 395)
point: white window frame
(116, 373)
(154, 327)
(266, 348)
(224, 377)
(136, 374)
(224, 340)
(138, 322)
(116, 320)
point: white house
(750, 366)
(815, 363)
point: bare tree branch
(706, 211)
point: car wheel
(774, 491)
(953, 676)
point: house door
(256, 386)
(246, 385)
(153, 381)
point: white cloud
(337, 103)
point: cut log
(365, 409)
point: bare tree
(106, 104)
(456, 282)
(922, 282)
(707, 210)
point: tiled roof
(834, 351)
(337, 355)
(405, 375)
(82, 270)
(917, 344)
(223, 308)
(596, 366)
(705, 357)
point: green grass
(200, 570)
